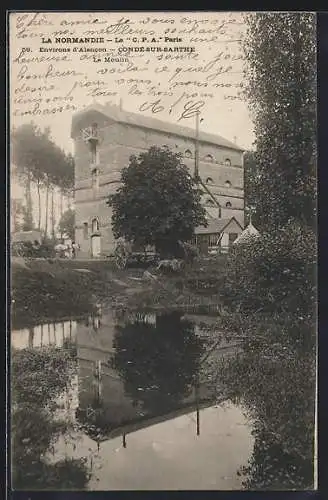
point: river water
(110, 402)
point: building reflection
(132, 371)
(57, 334)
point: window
(232, 238)
(96, 322)
(228, 204)
(95, 179)
(95, 225)
(90, 133)
(188, 153)
(227, 162)
(209, 180)
(85, 230)
(213, 239)
(94, 153)
(94, 129)
(209, 158)
(227, 184)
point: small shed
(219, 234)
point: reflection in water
(59, 334)
(78, 384)
(159, 363)
(114, 402)
(39, 378)
(276, 384)
(134, 368)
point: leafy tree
(280, 52)
(157, 203)
(67, 223)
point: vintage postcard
(163, 250)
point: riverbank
(271, 375)
(46, 289)
(49, 289)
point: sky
(183, 80)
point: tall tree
(53, 219)
(66, 180)
(24, 144)
(157, 203)
(280, 53)
(18, 215)
(39, 160)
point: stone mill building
(104, 139)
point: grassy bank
(50, 289)
(45, 289)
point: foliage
(51, 293)
(26, 368)
(38, 378)
(19, 217)
(252, 182)
(271, 280)
(157, 203)
(205, 276)
(280, 52)
(273, 377)
(270, 289)
(275, 272)
(28, 250)
(34, 153)
(67, 223)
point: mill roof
(139, 120)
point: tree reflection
(38, 378)
(159, 362)
(275, 382)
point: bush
(275, 272)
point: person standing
(75, 248)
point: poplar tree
(280, 74)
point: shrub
(275, 272)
